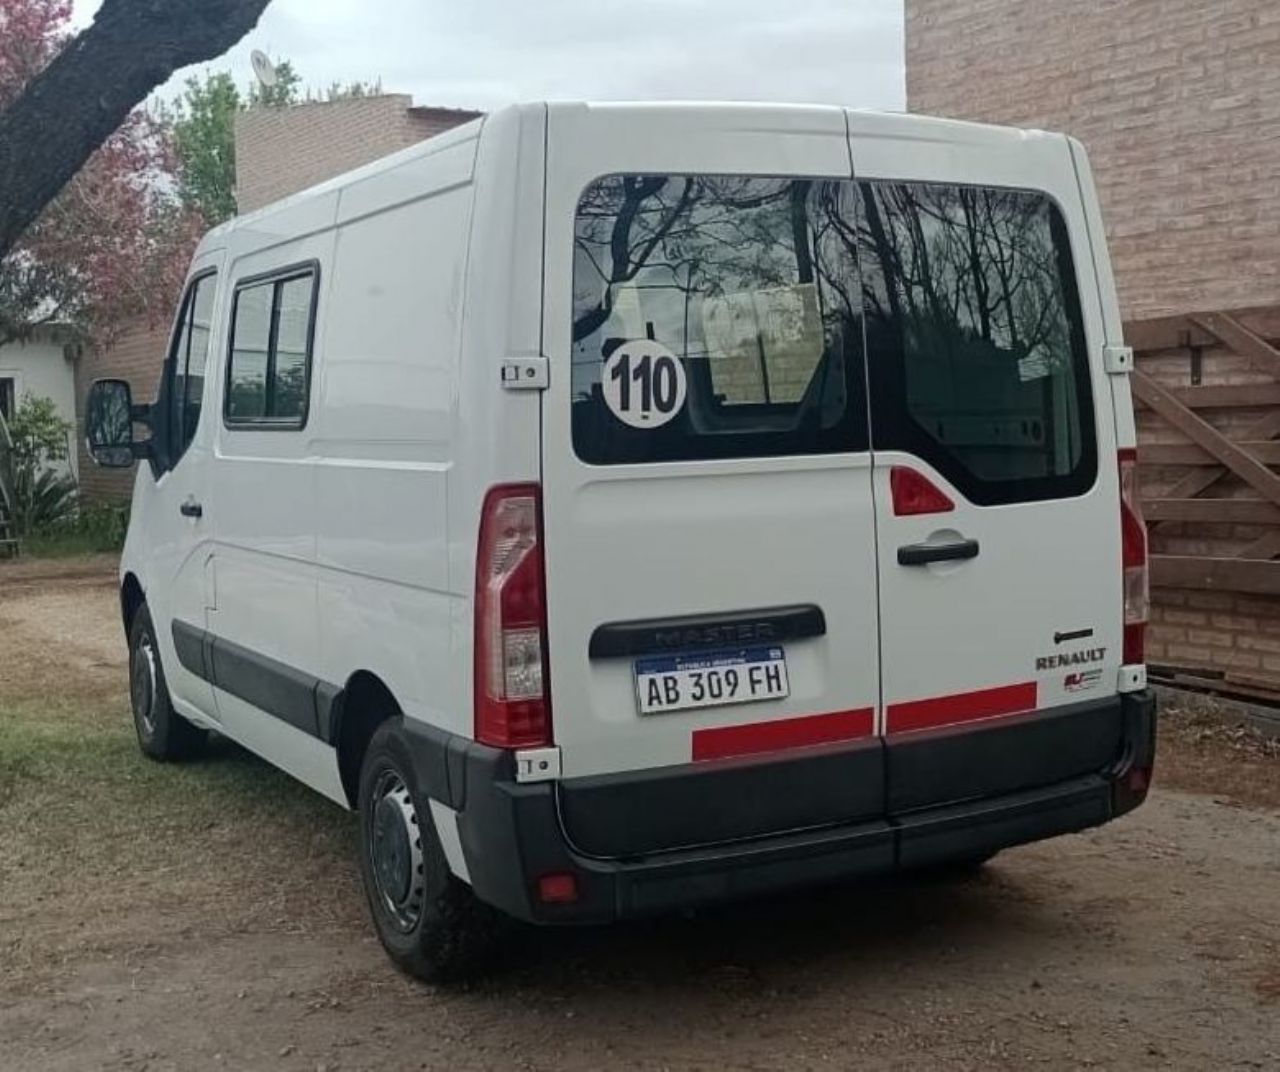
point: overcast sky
(484, 53)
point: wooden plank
(1171, 332)
(1248, 344)
(1235, 511)
(1197, 481)
(1267, 452)
(1227, 395)
(1266, 546)
(1215, 574)
(1247, 467)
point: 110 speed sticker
(643, 383)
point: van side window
(731, 305)
(272, 332)
(975, 343)
(190, 356)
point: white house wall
(41, 369)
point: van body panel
(497, 431)
(170, 552)
(261, 506)
(1034, 620)
(387, 441)
(1121, 394)
(667, 540)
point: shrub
(43, 495)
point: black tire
(429, 922)
(163, 734)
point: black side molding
(305, 702)
(657, 636)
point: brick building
(1178, 104)
(279, 151)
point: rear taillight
(1133, 553)
(512, 706)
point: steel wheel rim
(143, 684)
(395, 852)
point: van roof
(865, 121)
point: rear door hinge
(525, 374)
(1118, 360)
(537, 764)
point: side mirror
(108, 424)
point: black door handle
(921, 554)
(191, 508)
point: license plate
(679, 682)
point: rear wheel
(163, 734)
(430, 923)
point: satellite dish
(263, 68)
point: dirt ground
(210, 917)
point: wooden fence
(1207, 393)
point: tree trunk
(82, 97)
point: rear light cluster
(1133, 545)
(512, 705)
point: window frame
(277, 277)
(890, 409)
(186, 314)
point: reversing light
(512, 704)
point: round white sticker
(643, 383)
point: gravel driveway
(234, 935)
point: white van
(628, 507)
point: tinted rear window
(715, 317)
(975, 342)
(719, 316)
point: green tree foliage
(280, 94)
(203, 121)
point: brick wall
(1178, 103)
(136, 356)
(280, 151)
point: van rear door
(706, 479)
(996, 480)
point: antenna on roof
(263, 69)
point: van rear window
(722, 316)
(714, 317)
(975, 343)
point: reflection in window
(190, 357)
(269, 374)
(748, 282)
(250, 351)
(974, 337)
(291, 347)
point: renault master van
(626, 508)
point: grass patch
(66, 544)
(95, 831)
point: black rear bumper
(941, 796)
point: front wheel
(163, 734)
(430, 923)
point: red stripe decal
(961, 707)
(721, 742)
